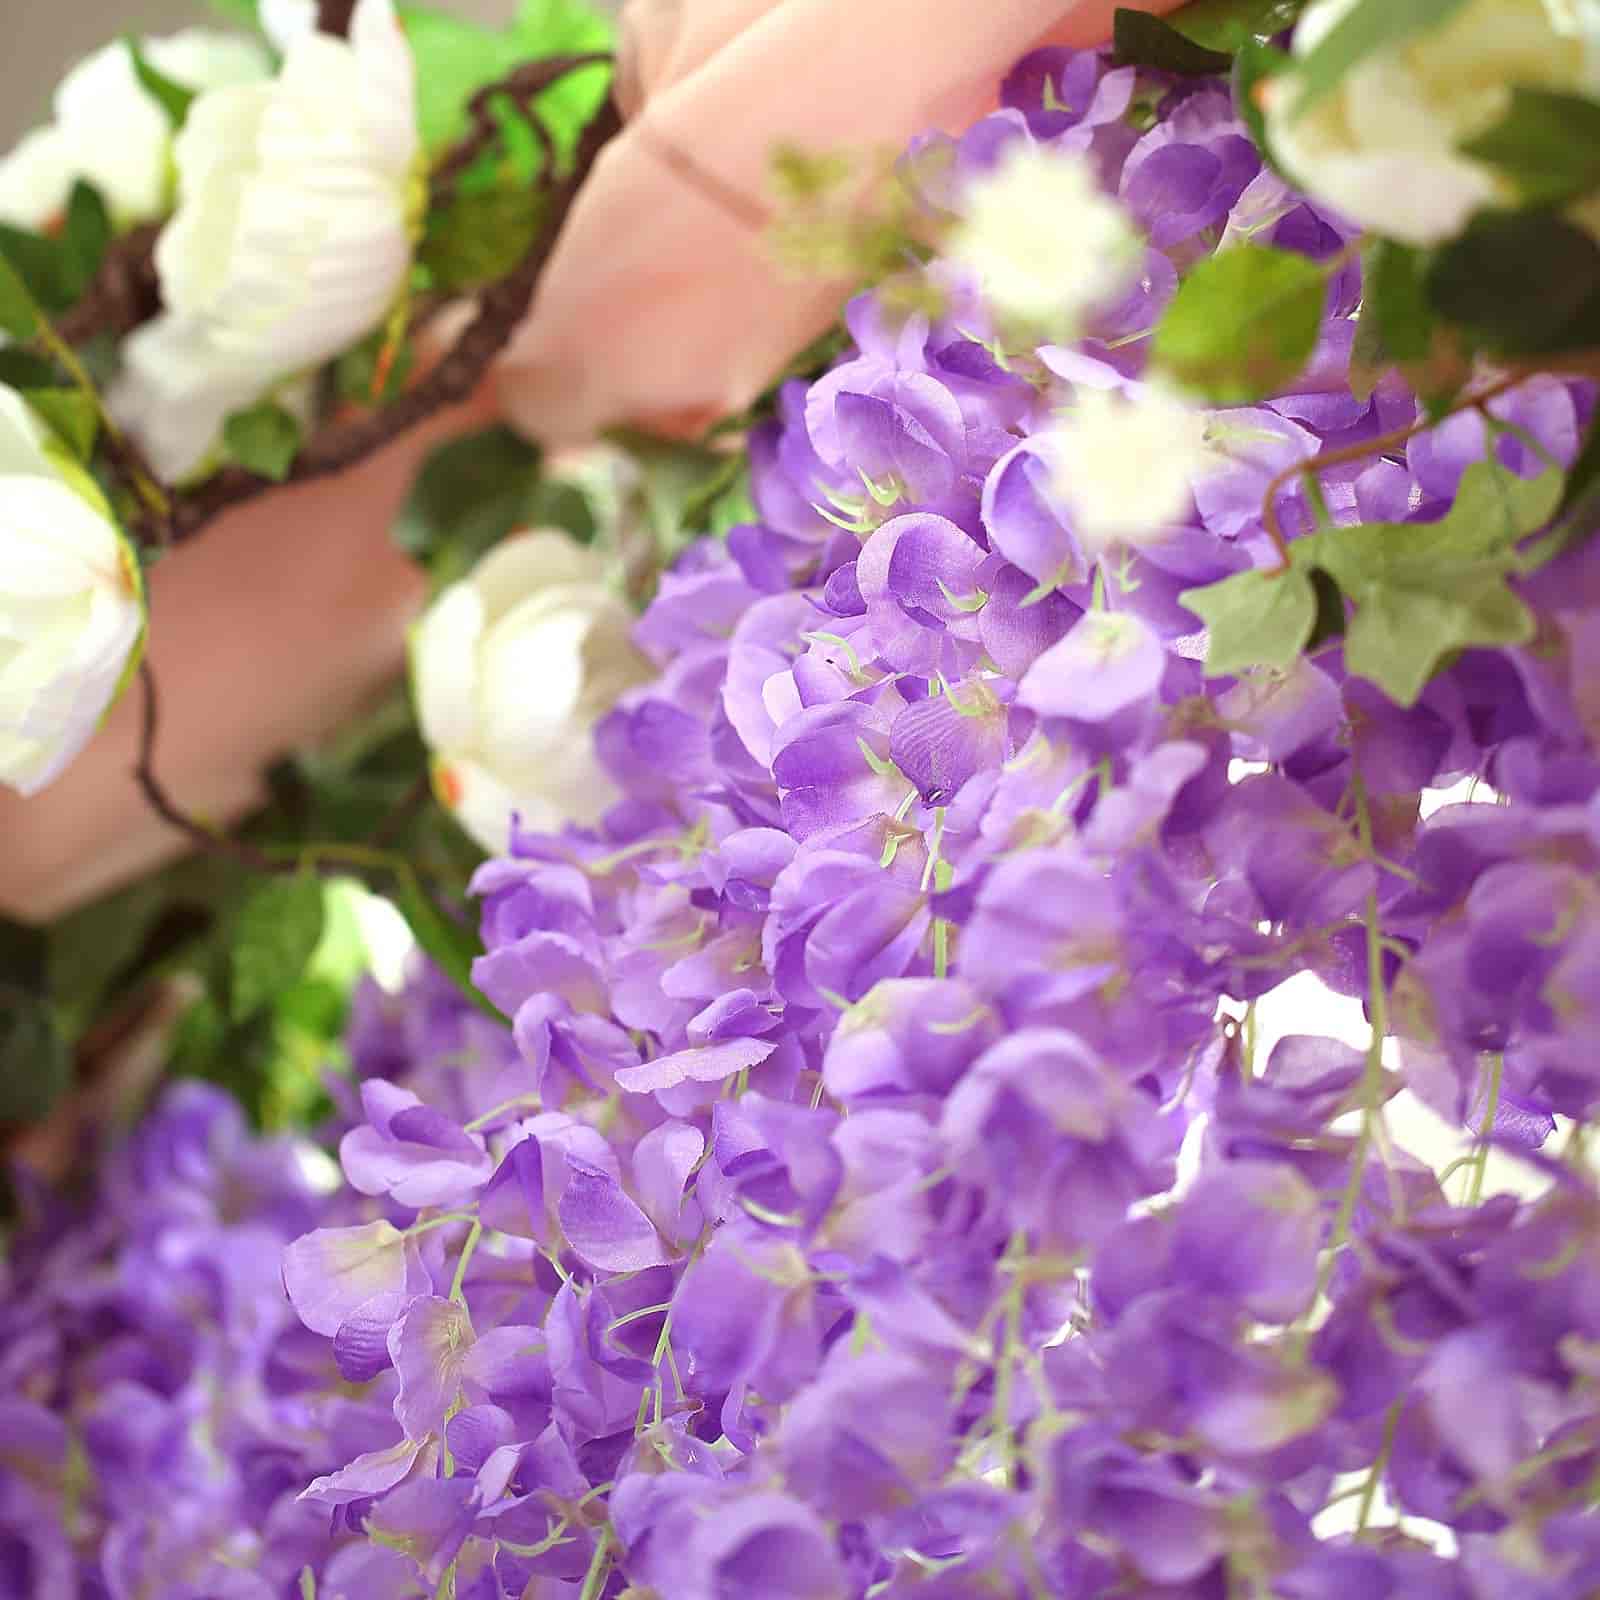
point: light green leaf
(1243, 323)
(274, 935)
(70, 414)
(19, 316)
(455, 58)
(264, 440)
(170, 95)
(1368, 27)
(1227, 24)
(1547, 144)
(1394, 301)
(1423, 591)
(1256, 618)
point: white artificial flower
(1046, 244)
(109, 131)
(71, 603)
(1124, 462)
(298, 201)
(511, 668)
(1381, 147)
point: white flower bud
(109, 131)
(298, 202)
(1382, 147)
(511, 668)
(71, 603)
(1125, 463)
(1043, 240)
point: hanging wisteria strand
(817, 1232)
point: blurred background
(44, 38)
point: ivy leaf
(19, 316)
(1525, 282)
(480, 237)
(170, 95)
(1141, 40)
(1366, 28)
(1547, 144)
(1243, 323)
(1424, 591)
(1256, 618)
(263, 440)
(274, 934)
(70, 414)
(452, 945)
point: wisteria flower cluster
(877, 1191)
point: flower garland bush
(878, 1192)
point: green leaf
(1243, 323)
(263, 440)
(1368, 27)
(470, 493)
(452, 945)
(1525, 282)
(171, 96)
(480, 237)
(1584, 473)
(91, 949)
(1547, 144)
(273, 937)
(1141, 40)
(1395, 301)
(1252, 65)
(1256, 618)
(35, 1057)
(1227, 24)
(70, 414)
(22, 369)
(455, 58)
(19, 316)
(85, 237)
(241, 13)
(1424, 591)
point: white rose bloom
(1044, 241)
(511, 668)
(298, 201)
(1382, 146)
(1124, 463)
(111, 132)
(71, 603)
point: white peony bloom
(1044, 241)
(111, 132)
(71, 603)
(298, 201)
(1382, 146)
(1125, 462)
(512, 667)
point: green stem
(594, 1579)
(1480, 1160)
(474, 1234)
(1369, 1490)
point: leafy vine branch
(126, 292)
(1583, 363)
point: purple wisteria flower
(877, 1192)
